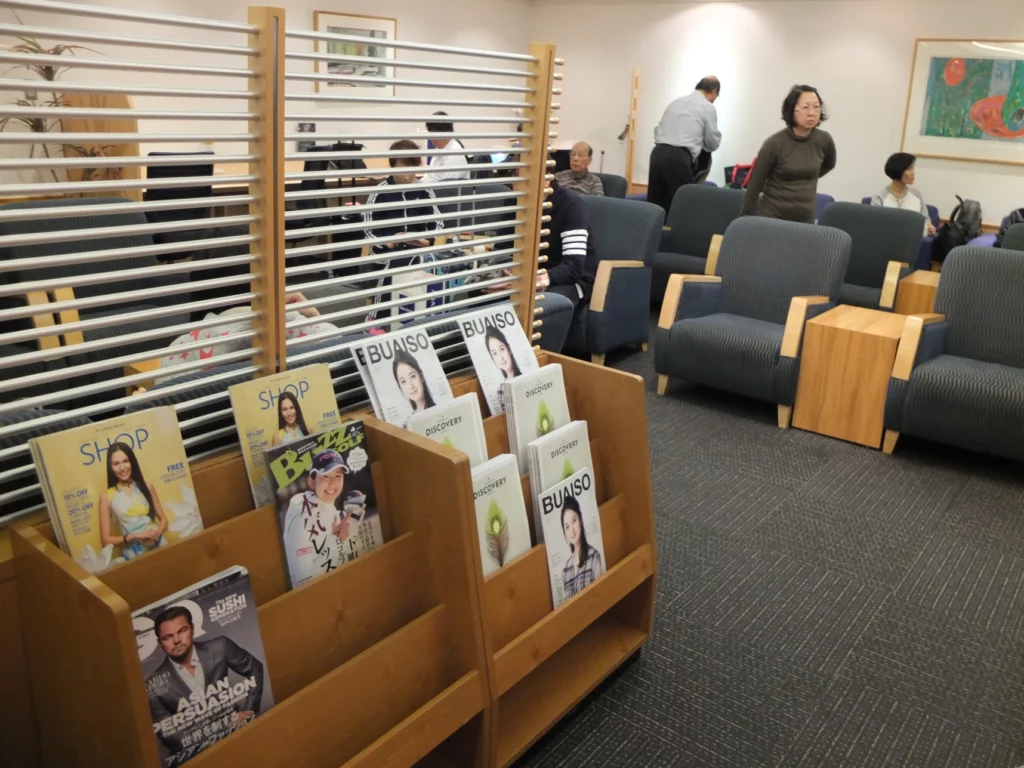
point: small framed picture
(306, 128)
(360, 61)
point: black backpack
(963, 225)
(1015, 217)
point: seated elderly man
(579, 178)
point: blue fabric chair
(959, 374)
(614, 186)
(740, 330)
(697, 214)
(924, 250)
(626, 235)
(822, 202)
(1013, 240)
(885, 243)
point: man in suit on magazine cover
(191, 667)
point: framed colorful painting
(966, 101)
(360, 62)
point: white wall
(856, 52)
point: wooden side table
(916, 294)
(845, 366)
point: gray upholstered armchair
(885, 245)
(698, 213)
(626, 234)
(741, 329)
(1014, 238)
(614, 186)
(959, 374)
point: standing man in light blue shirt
(688, 127)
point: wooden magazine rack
(406, 656)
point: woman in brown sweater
(784, 182)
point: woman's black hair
(789, 104)
(299, 419)
(401, 356)
(136, 473)
(494, 333)
(898, 164)
(570, 503)
(440, 126)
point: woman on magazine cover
(411, 381)
(501, 353)
(585, 563)
(291, 425)
(134, 503)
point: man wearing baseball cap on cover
(315, 531)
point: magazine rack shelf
(379, 663)
(545, 661)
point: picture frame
(352, 55)
(966, 101)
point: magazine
(326, 504)
(535, 404)
(554, 458)
(572, 535)
(203, 664)
(405, 373)
(117, 489)
(276, 410)
(457, 424)
(498, 348)
(500, 512)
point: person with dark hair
(191, 668)
(784, 181)
(688, 128)
(501, 353)
(899, 193)
(585, 563)
(439, 164)
(133, 503)
(578, 177)
(572, 258)
(410, 379)
(291, 425)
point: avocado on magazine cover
(535, 405)
(326, 503)
(500, 512)
(203, 664)
(118, 489)
(405, 373)
(457, 424)
(498, 348)
(277, 410)
(572, 535)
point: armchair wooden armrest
(55, 319)
(674, 292)
(795, 320)
(712, 262)
(910, 341)
(604, 276)
(891, 283)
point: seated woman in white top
(445, 167)
(900, 193)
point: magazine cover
(536, 405)
(364, 374)
(326, 504)
(405, 373)
(203, 663)
(457, 424)
(118, 488)
(280, 409)
(499, 349)
(572, 535)
(500, 512)
(556, 457)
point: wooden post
(634, 97)
(268, 189)
(539, 110)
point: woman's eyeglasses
(809, 108)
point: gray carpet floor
(818, 604)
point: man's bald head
(710, 87)
(580, 157)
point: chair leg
(889, 441)
(662, 384)
(785, 416)
(597, 359)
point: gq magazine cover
(203, 663)
(326, 503)
(277, 410)
(118, 489)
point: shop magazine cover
(405, 373)
(326, 504)
(117, 489)
(572, 535)
(277, 410)
(203, 664)
(500, 512)
(498, 348)
(456, 424)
